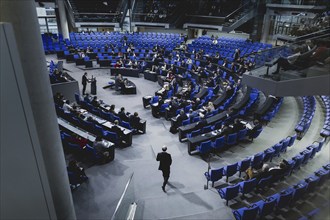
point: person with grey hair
(165, 161)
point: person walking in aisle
(165, 161)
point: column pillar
(23, 17)
(266, 27)
(63, 19)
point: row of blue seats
(98, 112)
(88, 152)
(307, 116)
(285, 198)
(270, 114)
(88, 126)
(222, 142)
(248, 186)
(255, 162)
(325, 132)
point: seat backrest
(249, 185)
(245, 164)
(285, 198)
(231, 169)
(232, 191)
(250, 213)
(126, 125)
(268, 206)
(292, 140)
(207, 129)
(241, 134)
(231, 139)
(257, 159)
(257, 132)
(186, 122)
(216, 174)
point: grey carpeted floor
(185, 197)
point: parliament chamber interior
(165, 109)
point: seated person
(91, 119)
(201, 124)
(67, 107)
(115, 128)
(58, 99)
(196, 103)
(123, 115)
(264, 173)
(102, 149)
(256, 126)
(95, 102)
(135, 120)
(155, 108)
(77, 174)
(237, 126)
(87, 98)
(226, 130)
(112, 109)
(279, 170)
(192, 114)
(119, 82)
(178, 122)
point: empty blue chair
(229, 192)
(207, 129)
(264, 182)
(298, 161)
(163, 108)
(98, 129)
(266, 206)
(246, 213)
(255, 134)
(194, 133)
(241, 134)
(214, 175)
(248, 186)
(314, 149)
(269, 154)
(307, 154)
(285, 144)
(232, 139)
(292, 140)
(244, 165)
(257, 160)
(196, 119)
(204, 147)
(154, 100)
(230, 170)
(283, 198)
(299, 191)
(77, 97)
(277, 149)
(126, 125)
(312, 183)
(186, 122)
(219, 143)
(111, 136)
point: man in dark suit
(84, 81)
(165, 161)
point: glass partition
(126, 206)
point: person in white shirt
(67, 107)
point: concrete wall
(24, 188)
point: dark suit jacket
(165, 161)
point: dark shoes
(163, 188)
